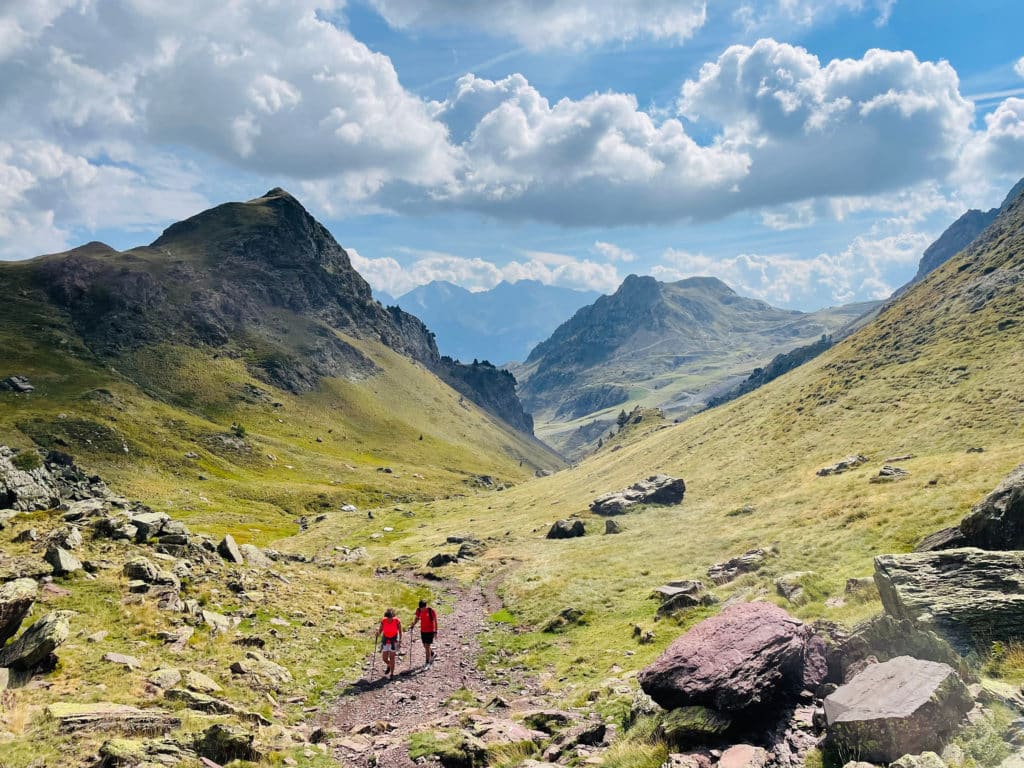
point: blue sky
(805, 151)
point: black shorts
(389, 644)
(427, 637)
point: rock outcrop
(566, 529)
(34, 646)
(843, 465)
(26, 490)
(997, 521)
(680, 595)
(746, 658)
(901, 706)
(16, 600)
(965, 595)
(749, 561)
(656, 489)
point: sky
(804, 151)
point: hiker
(390, 630)
(427, 619)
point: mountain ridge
(261, 280)
(661, 345)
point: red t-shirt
(390, 628)
(428, 619)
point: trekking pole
(412, 647)
(373, 657)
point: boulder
(997, 521)
(229, 550)
(224, 743)
(16, 600)
(656, 489)
(901, 706)
(62, 561)
(843, 465)
(743, 756)
(254, 556)
(680, 595)
(128, 662)
(885, 637)
(961, 594)
(148, 525)
(749, 656)
(141, 569)
(37, 642)
(165, 678)
(68, 537)
(26, 490)
(888, 474)
(19, 384)
(217, 622)
(947, 538)
(751, 560)
(261, 671)
(197, 681)
(567, 529)
(565, 618)
(612, 526)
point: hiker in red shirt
(390, 630)
(427, 619)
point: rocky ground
(375, 718)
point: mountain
(666, 345)
(501, 324)
(960, 234)
(262, 281)
(247, 314)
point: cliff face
(493, 389)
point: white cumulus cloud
(476, 274)
(572, 23)
(1019, 66)
(858, 270)
(612, 252)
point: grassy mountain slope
(940, 371)
(131, 374)
(667, 345)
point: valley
(290, 458)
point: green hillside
(939, 372)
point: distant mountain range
(500, 325)
(665, 345)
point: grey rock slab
(107, 716)
(902, 706)
(964, 595)
(254, 556)
(16, 600)
(37, 642)
(229, 550)
(124, 660)
(997, 521)
(62, 561)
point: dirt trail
(415, 696)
